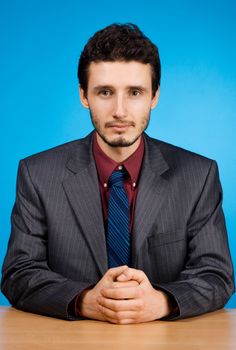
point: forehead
(119, 74)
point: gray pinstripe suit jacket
(57, 246)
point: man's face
(119, 97)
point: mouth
(119, 126)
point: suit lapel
(152, 189)
(83, 193)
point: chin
(120, 141)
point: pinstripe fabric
(58, 245)
(118, 235)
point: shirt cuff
(76, 302)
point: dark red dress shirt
(105, 167)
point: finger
(126, 284)
(123, 321)
(114, 272)
(123, 277)
(122, 293)
(132, 274)
(121, 305)
(121, 317)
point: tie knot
(117, 178)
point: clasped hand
(123, 296)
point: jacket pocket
(163, 238)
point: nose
(119, 107)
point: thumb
(114, 272)
(132, 274)
(124, 276)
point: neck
(118, 154)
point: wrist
(172, 306)
(165, 305)
(81, 303)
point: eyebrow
(99, 87)
(131, 87)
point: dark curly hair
(119, 42)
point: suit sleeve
(27, 280)
(206, 282)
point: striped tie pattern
(118, 235)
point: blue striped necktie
(118, 235)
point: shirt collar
(105, 165)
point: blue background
(40, 45)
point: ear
(83, 98)
(155, 99)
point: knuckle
(115, 307)
(123, 321)
(137, 320)
(117, 286)
(119, 321)
(138, 316)
(140, 305)
(110, 271)
(142, 274)
(116, 293)
(101, 309)
(119, 316)
(140, 293)
(111, 320)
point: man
(118, 226)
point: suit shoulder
(180, 159)
(173, 151)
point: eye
(135, 92)
(105, 92)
